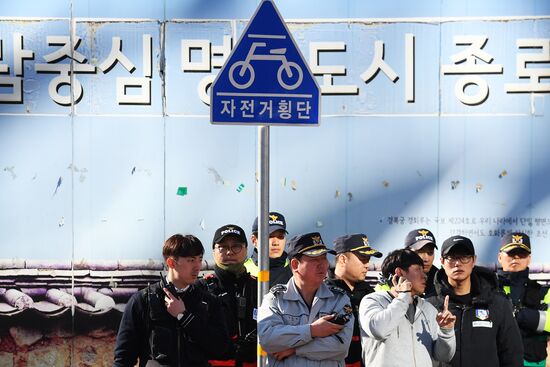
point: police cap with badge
(276, 222)
(357, 243)
(309, 244)
(515, 241)
(418, 238)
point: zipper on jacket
(462, 309)
(412, 339)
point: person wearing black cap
(529, 298)
(353, 253)
(172, 322)
(422, 241)
(238, 293)
(306, 323)
(279, 271)
(487, 334)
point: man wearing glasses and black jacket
(486, 332)
(238, 293)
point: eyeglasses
(463, 259)
(234, 249)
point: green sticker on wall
(182, 191)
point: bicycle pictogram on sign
(242, 74)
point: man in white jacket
(398, 328)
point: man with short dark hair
(487, 334)
(237, 291)
(529, 298)
(422, 241)
(172, 322)
(279, 271)
(398, 328)
(306, 323)
(353, 253)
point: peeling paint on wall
(82, 171)
(479, 187)
(293, 185)
(11, 170)
(217, 177)
(59, 182)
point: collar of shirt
(179, 290)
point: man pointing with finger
(306, 323)
(398, 328)
(487, 334)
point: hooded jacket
(486, 333)
(390, 339)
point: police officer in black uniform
(353, 253)
(237, 291)
(279, 269)
(530, 299)
(422, 241)
(172, 322)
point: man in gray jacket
(398, 328)
(306, 323)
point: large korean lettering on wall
(436, 122)
(131, 67)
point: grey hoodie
(389, 339)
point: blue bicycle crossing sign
(265, 80)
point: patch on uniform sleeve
(278, 288)
(348, 309)
(336, 289)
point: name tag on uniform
(255, 314)
(488, 324)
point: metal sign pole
(263, 227)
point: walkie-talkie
(340, 319)
(171, 288)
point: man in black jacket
(279, 271)
(422, 241)
(353, 254)
(529, 298)
(237, 292)
(486, 332)
(173, 323)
